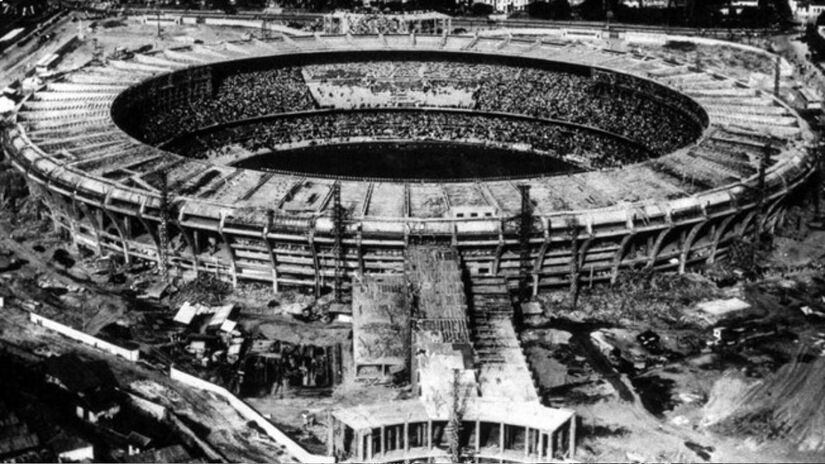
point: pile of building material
(439, 309)
(381, 326)
(787, 404)
(721, 308)
(206, 289)
(207, 317)
(440, 325)
(435, 277)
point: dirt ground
(636, 404)
(20, 234)
(679, 390)
(633, 406)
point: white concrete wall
(251, 414)
(153, 409)
(131, 355)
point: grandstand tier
(101, 176)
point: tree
(481, 9)
(820, 20)
(592, 10)
(553, 9)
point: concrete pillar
(233, 265)
(572, 444)
(359, 447)
(526, 441)
(558, 445)
(383, 446)
(369, 446)
(331, 434)
(501, 438)
(540, 446)
(273, 262)
(478, 435)
(429, 434)
(406, 436)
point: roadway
(16, 60)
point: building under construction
(473, 393)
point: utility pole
(525, 228)
(157, 12)
(338, 217)
(163, 228)
(573, 230)
(265, 28)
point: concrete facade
(672, 213)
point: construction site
(228, 238)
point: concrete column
(406, 436)
(233, 266)
(572, 444)
(191, 243)
(549, 446)
(397, 431)
(687, 244)
(331, 434)
(118, 227)
(526, 441)
(369, 446)
(478, 435)
(383, 446)
(501, 438)
(359, 447)
(540, 446)
(429, 434)
(559, 445)
(273, 262)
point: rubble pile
(206, 290)
(787, 404)
(658, 299)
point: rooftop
(526, 414)
(79, 375)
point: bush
(481, 9)
(553, 9)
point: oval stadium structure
(287, 160)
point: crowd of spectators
(631, 107)
(620, 109)
(374, 24)
(238, 96)
(636, 109)
(370, 71)
(395, 83)
(587, 148)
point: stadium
(296, 160)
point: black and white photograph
(412, 231)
